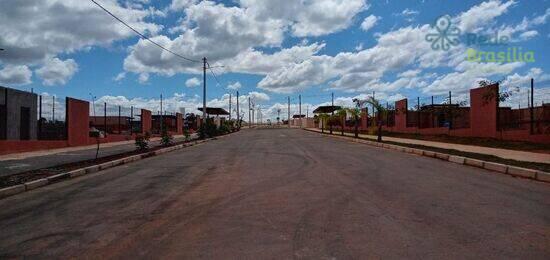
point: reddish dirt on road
(279, 194)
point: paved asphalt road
(8, 167)
(280, 194)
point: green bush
(208, 129)
(166, 139)
(186, 134)
(224, 128)
(142, 141)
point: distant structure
(18, 114)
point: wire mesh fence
(115, 119)
(51, 118)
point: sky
(270, 50)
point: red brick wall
(179, 123)
(401, 115)
(364, 119)
(483, 111)
(146, 121)
(18, 146)
(78, 119)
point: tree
(381, 112)
(356, 115)
(342, 113)
(323, 119)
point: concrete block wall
(15, 100)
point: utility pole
(204, 115)
(531, 127)
(288, 118)
(451, 111)
(300, 109)
(238, 115)
(249, 121)
(53, 109)
(373, 98)
(161, 117)
(332, 108)
(229, 106)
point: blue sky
(272, 49)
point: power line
(214, 74)
(142, 35)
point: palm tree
(355, 114)
(342, 113)
(322, 119)
(381, 112)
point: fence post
(131, 119)
(418, 112)
(532, 130)
(105, 117)
(450, 111)
(432, 113)
(119, 120)
(39, 117)
(53, 109)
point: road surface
(279, 194)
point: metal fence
(115, 119)
(51, 118)
(439, 111)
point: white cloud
(308, 18)
(238, 31)
(234, 86)
(33, 30)
(528, 35)
(481, 15)
(178, 5)
(143, 78)
(15, 75)
(57, 72)
(524, 28)
(408, 12)
(467, 76)
(369, 22)
(192, 82)
(120, 76)
(258, 96)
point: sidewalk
(502, 153)
(21, 162)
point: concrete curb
(27, 186)
(491, 166)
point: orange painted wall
(78, 118)
(146, 121)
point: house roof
(215, 111)
(326, 109)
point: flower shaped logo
(447, 34)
